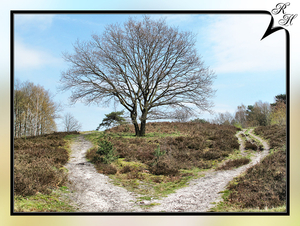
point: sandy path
(202, 192)
(94, 192)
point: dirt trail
(202, 192)
(94, 192)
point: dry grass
(38, 163)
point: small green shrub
(106, 152)
(158, 153)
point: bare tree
(241, 115)
(224, 119)
(182, 115)
(70, 123)
(146, 66)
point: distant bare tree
(146, 66)
(182, 115)
(224, 119)
(70, 123)
(241, 115)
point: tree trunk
(134, 122)
(139, 131)
(142, 131)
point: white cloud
(36, 21)
(237, 46)
(26, 57)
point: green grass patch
(54, 202)
(147, 206)
(148, 185)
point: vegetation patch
(54, 202)
(166, 158)
(262, 187)
(234, 163)
(38, 166)
(38, 163)
(250, 145)
(275, 134)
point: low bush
(165, 166)
(195, 145)
(275, 134)
(263, 185)
(106, 152)
(234, 163)
(38, 163)
(250, 146)
(105, 168)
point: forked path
(202, 192)
(94, 192)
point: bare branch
(144, 65)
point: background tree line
(259, 114)
(35, 111)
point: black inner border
(233, 12)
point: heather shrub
(37, 176)
(197, 145)
(212, 154)
(105, 168)
(126, 169)
(234, 163)
(164, 166)
(275, 134)
(92, 156)
(250, 146)
(263, 185)
(38, 163)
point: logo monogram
(287, 18)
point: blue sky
(247, 69)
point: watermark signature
(287, 17)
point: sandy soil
(91, 191)
(94, 192)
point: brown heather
(275, 134)
(38, 163)
(264, 185)
(234, 163)
(185, 145)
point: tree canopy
(112, 119)
(147, 66)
